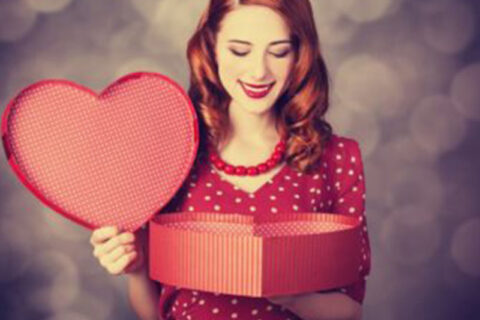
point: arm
(348, 199)
(143, 292)
(325, 306)
(126, 253)
(143, 295)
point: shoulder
(339, 152)
(339, 144)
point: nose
(259, 67)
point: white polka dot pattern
(351, 200)
(324, 191)
(112, 159)
(291, 228)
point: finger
(118, 252)
(101, 235)
(113, 243)
(118, 266)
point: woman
(260, 87)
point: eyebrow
(249, 43)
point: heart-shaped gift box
(260, 255)
(114, 158)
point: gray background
(405, 77)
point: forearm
(326, 306)
(143, 295)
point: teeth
(255, 89)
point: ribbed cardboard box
(257, 256)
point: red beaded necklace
(275, 158)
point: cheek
(282, 74)
(282, 68)
(229, 70)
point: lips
(256, 91)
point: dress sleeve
(349, 198)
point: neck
(251, 139)
(252, 130)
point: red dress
(338, 186)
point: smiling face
(255, 55)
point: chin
(258, 111)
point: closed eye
(282, 54)
(240, 54)
(244, 53)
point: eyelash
(242, 54)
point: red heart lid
(114, 158)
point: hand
(284, 301)
(118, 253)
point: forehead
(253, 23)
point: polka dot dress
(338, 186)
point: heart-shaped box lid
(114, 158)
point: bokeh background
(405, 77)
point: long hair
(299, 110)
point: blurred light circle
(175, 22)
(367, 131)
(97, 298)
(325, 11)
(378, 293)
(337, 32)
(460, 174)
(420, 185)
(465, 247)
(57, 281)
(146, 8)
(157, 44)
(332, 26)
(16, 248)
(465, 93)
(16, 20)
(33, 68)
(375, 186)
(364, 127)
(436, 125)
(138, 64)
(402, 150)
(416, 214)
(338, 115)
(22, 209)
(124, 40)
(367, 84)
(365, 10)
(48, 6)
(451, 29)
(408, 243)
(421, 70)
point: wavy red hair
(299, 111)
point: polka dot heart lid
(114, 158)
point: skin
(253, 55)
(246, 53)
(118, 252)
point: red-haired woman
(260, 87)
